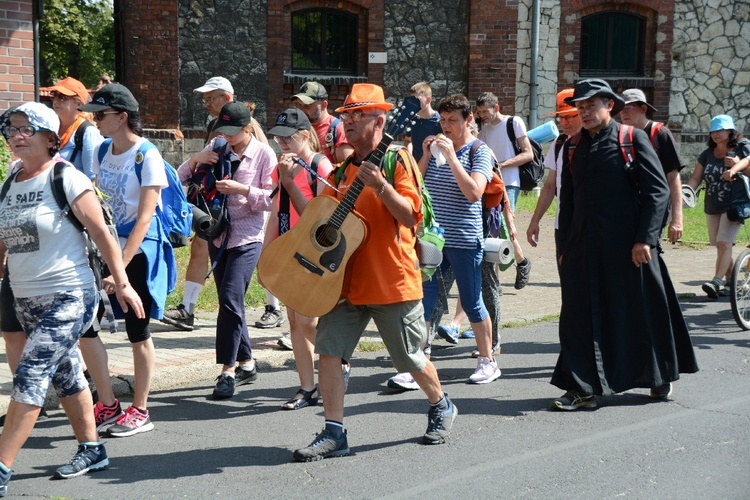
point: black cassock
(621, 326)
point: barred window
(612, 43)
(324, 41)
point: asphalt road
(505, 442)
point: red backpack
(624, 141)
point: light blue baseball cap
(721, 122)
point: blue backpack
(176, 213)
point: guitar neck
(347, 204)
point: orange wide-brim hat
(563, 108)
(365, 96)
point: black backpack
(532, 172)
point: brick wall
(147, 42)
(16, 53)
(659, 15)
(493, 35)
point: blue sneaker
(4, 480)
(439, 423)
(467, 334)
(88, 458)
(449, 333)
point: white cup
(437, 154)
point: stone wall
(710, 68)
(426, 41)
(221, 38)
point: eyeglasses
(59, 96)
(279, 139)
(354, 116)
(25, 131)
(207, 100)
(564, 118)
(99, 115)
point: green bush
(4, 158)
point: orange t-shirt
(385, 270)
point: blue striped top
(461, 220)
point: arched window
(324, 41)
(612, 43)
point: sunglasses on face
(99, 115)
(58, 96)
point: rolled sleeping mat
(545, 132)
(499, 251)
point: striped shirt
(461, 219)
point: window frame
(608, 70)
(324, 67)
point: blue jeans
(232, 274)
(513, 192)
(467, 267)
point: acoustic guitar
(305, 268)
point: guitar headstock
(402, 116)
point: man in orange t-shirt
(385, 283)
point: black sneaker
(242, 376)
(224, 387)
(523, 271)
(662, 392)
(88, 458)
(573, 400)
(439, 423)
(713, 287)
(179, 318)
(323, 446)
(4, 480)
(271, 318)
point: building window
(612, 43)
(324, 41)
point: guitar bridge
(307, 264)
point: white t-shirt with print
(46, 252)
(496, 137)
(117, 179)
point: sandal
(306, 400)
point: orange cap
(70, 87)
(563, 108)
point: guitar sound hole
(326, 235)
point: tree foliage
(77, 39)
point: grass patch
(695, 231)
(370, 345)
(525, 322)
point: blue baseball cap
(721, 122)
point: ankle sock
(335, 429)
(443, 404)
(91, 444)
(247, 365)
(113, 405)
(141, 411)
(190, 295)
(4, 469)
(228, 374)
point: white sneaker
(403, 381)
(486, 371)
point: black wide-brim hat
(586, 89)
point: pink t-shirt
(303, 181)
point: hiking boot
(523, 271)
(486, 371)
(242, 376)
(439, 423)
(712, 287)
(4, 480)
(179, 318)
(271, 318)
(574, 400)
(133, 421)
(285, 342)
(662, 392)
(105, 415)
(224, 387)
(403, 382)
(323, 446)
(449, 333)
(87, 459)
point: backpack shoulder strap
(625, 141)
(79, 139)
(559, 143)
(140, 155)
(103, 148)
(655, 127)
(572, 145)
(317, 158)
(512, 135)
(7, 184)
(472, 151)
(340, 171)
(58, 191)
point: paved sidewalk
(188, 357)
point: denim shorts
(401, 326)
(53, 324)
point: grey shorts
(401, 326)
(53, 324)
